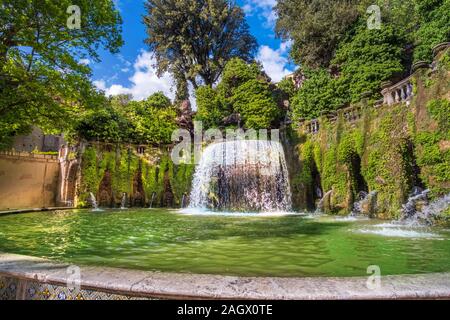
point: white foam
(390, 231)
(205, 212)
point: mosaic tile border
(18, 289)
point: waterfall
(409, 209)
(123, 204)
(183, 200)
(152, 199)
(320, 205)
(436, 207)
(94, 202)
(242, 175)
(358, 205)
(429, 211)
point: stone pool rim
(162, 285)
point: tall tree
(194, 39)
(315, 26)
(45, 47)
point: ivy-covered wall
(109, 171)
(390, 149)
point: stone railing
(352, 113)
(312, 126)
(401, 92)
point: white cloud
(144, 81)
(85, 62)
(275, 61)
(263, 9)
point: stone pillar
(397, 96)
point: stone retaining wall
(28, 180)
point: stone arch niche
(357, 182)
(138, 196)
(411, 168)
(314, 190)
(105, 194)
(168, 197)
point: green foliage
(195, 38)
(157, 101)
(181, 180)
(42, 82)
(434, 27)
(315, 26)
(432, 156)
(348, 58)
(209, 107)
(103, 125)
(304, 177)
(439, 110)
(347, 148)
(244, 90)
(369, 58)
(151, 121)
(333, 177)
(286, 90)
(236, 73)
(317, 95)
(123, 165)
(91, 180)
(255, 103)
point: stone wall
(28, 180)
(37, 140)
(145, 175)
(388, 149)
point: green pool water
(252, 246)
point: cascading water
(428, 212)
(364, 203)
(410, 207)
(242, 175)
(183, 201)
(152, 200)
(438, 206)
(320, 205)
(123, 205)
(358, 205)
(94, 202)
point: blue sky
(131, 71)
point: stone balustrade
(312, 127)
(401, 92)
(351, 114)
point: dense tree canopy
(121, 119)
(245, 90)
(194, 39)
(43, 81)
(315, 26)
(434, 18)
(318, 94)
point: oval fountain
(242, 176)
